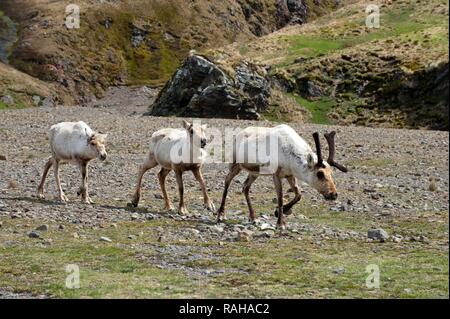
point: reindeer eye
(320, 175)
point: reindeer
(294, 160)
(76, 143)
(165, 145)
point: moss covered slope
(347, 73)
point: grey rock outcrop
(201, 88)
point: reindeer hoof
(40, 196)
(289, 212)
(183, 211)
(221, 218)
(63, 199)
(169, 208)
(210, 207)
(281, 227)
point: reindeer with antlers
(294, 160)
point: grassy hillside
(131, 42)
(20, 88)
(346, 73)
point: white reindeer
(165, 148)
(76, 143)
(294, 160)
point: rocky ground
(398, 180)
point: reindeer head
(197, 133)
(322, 177)
(97, 144)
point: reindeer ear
(186, 124)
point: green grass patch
(319, 109)
(394, 22)
(311, 47)
(280, 267)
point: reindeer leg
(287, 209)
(162, 175)
(279, 188)
(149, 164)
(44, 176)
(206, 200)
(84, 192)
(234, 170)
(246, 190)
(182, 209)
(63, 198)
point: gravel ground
(390, 170)
(390, 173)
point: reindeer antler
(318, 148)
(332, 150)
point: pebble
(266, 226)
(339, 271)
(218, 229)
(106, 239)
(34, 234)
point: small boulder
(34, 234)
(378, 234)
